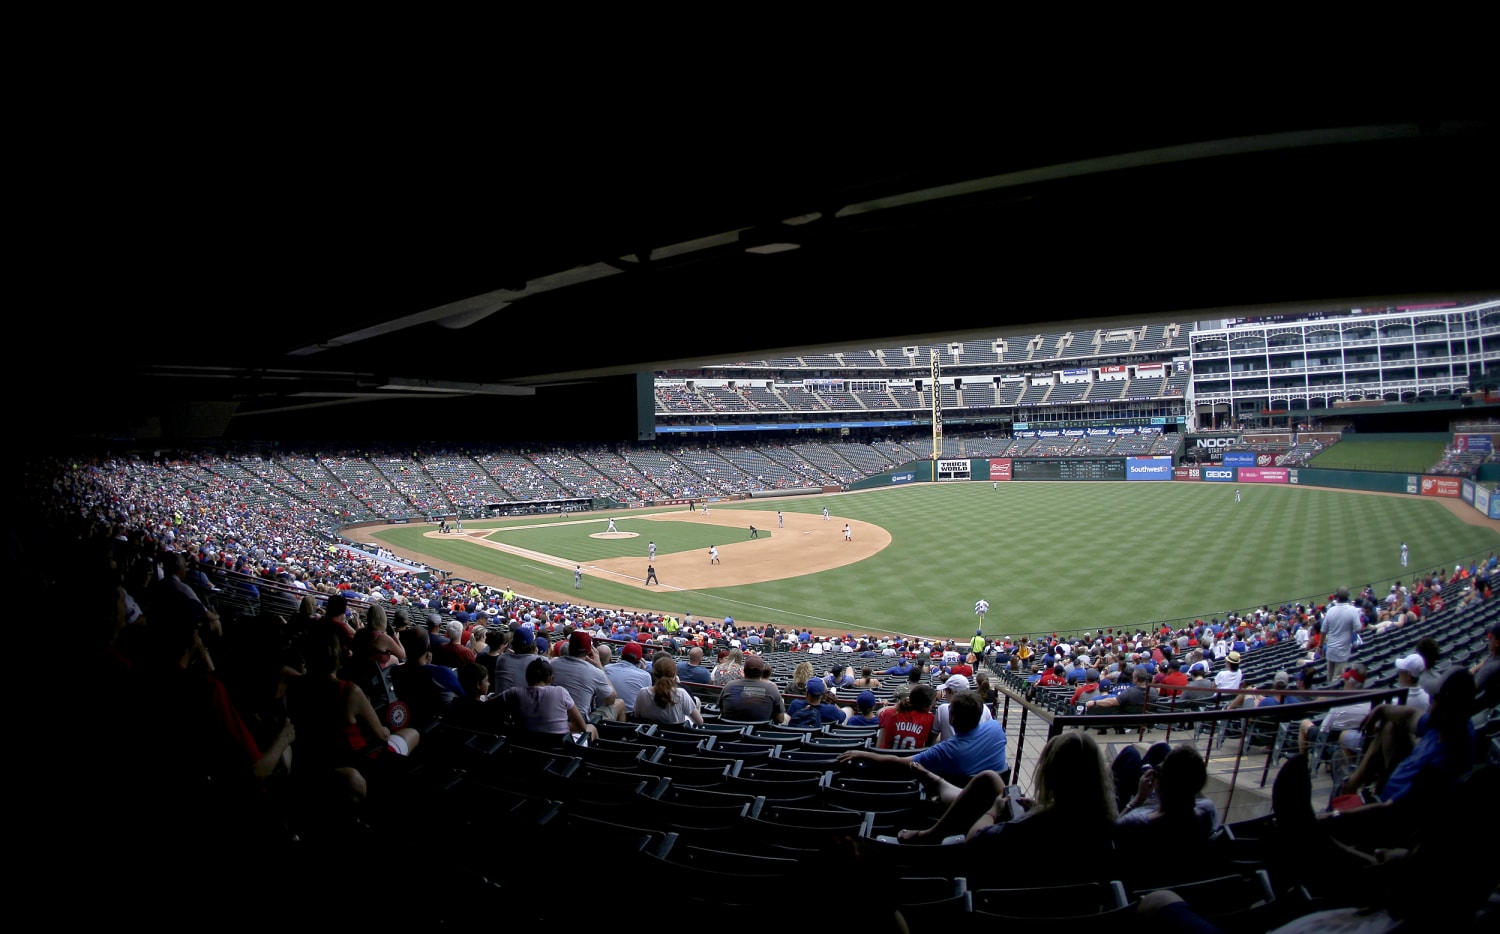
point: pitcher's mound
(614, 535)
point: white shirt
(1229, 680)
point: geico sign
(1218, 473)
(1216, 442)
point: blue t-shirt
(827, 713)
(1435, 764)
(969, 754)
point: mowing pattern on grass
(1393, 456)
(1054, 556)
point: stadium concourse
(266, 709)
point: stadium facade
(1180, 376)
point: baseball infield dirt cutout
(808, 544)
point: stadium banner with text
(1263, 475)
(1439, 486)
(1187, 473)
(1219, 474)
(1466, 491)
(903, 477)
(1148, 468)
(952, 470)
(1478, 444)
(1413, 483)
(1000, 468)
(1486, 502)
(1242, 459)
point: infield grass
(1047, 556)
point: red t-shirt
(1174, 680)
(904, 729)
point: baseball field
(1047, 556)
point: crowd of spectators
(225, 632)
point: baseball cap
(580, 643)
(1412, 664)
(816, 686)
(631, 651)
(956, 683)
(1093, 674)
(865, 699)
(1282, 678)
(524, 636)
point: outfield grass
(1394, 456)
(1047, 556)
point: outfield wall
(1368, 481)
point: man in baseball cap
(580, 672)
(627, 675)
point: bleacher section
(765, 400)
(414, 485)
(719, 475)
(828, 461)
(521, 480)
(370, 487)
(726, 400)
(665, 473)
(767, 474)
(462, 481)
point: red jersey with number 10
(904, 729)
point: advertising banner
(1412, 482)
(1148, 468)
(1241, 459)
(1480, 444)
(1148, 370)
(953, 469)
(1439, 486)
(1263, 475)
(1000, 468)
(903, 477)
(1187, 473)
(1219, 474)
(1466, 491)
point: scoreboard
(1069, 468)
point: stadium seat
(1060, 902)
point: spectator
(1075, 799)
(816, 709)
(975, 747)
(627, 675)
(753, 698)
(665, 701)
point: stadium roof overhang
(422, 295)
